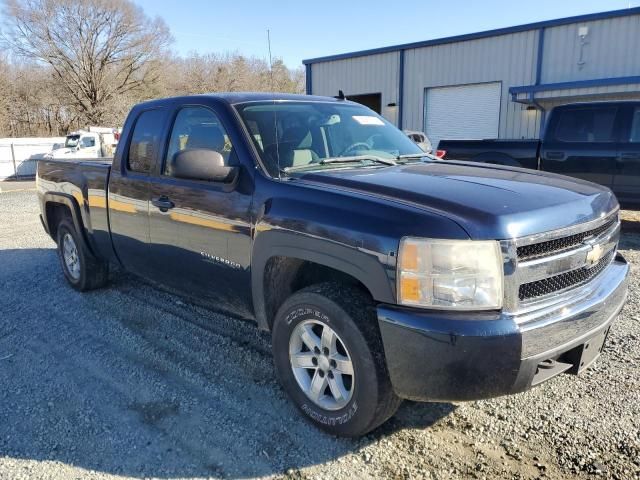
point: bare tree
(230, 72)
(76, 62)
(32, 102)
(97, 50)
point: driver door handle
(163, 203)
(555, 155)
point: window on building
(586, 125)
(371, 100)
(143, 149)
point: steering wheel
(353, 146)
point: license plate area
(582, 356)
(572, 361)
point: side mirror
(202, 164)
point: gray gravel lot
(132, 382)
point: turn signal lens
(410, 288)
(410, 258)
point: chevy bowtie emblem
(594, 255)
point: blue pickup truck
(597, 141)
(381, 272)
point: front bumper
(454, 356)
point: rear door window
(145, 141)
(586, 125)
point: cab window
(197, 128)
(86, 142)
(143, 149)
(586, 125)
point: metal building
(493, 84)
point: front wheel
(329, 359)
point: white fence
(18, 156)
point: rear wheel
(329, 359)
(81, 269)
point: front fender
(365, 266)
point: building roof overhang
(599, 87)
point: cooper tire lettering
(330, 419)
(306, 312)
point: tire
(81, 269)
(366, 398)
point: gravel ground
(131, 382)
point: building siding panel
(611, 50)
(510, 59)
(354, 76)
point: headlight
(450, 274)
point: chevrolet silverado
(382, 273)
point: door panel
(129, 192)
(627, 179)
(200, 232)
(582, 142)
(129, 220)
(202, 244)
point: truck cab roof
(233, 98)
(604, 103)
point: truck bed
(516, 153)
(85, 181)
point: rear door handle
(163, 203)
(555, 155)
(630, 156)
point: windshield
(72, 141)
(294, 135)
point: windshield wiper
(336, 160)
(411, 156)
(358, 158)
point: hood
(62, 152)
(488, 201)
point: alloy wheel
(321, 364)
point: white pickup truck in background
(95, 142)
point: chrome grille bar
(554, 247)
(534, 275)
(567, 260)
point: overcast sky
(306, 29)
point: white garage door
(464, 112)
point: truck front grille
(559, 245)
(564, 281)
(546, 268)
